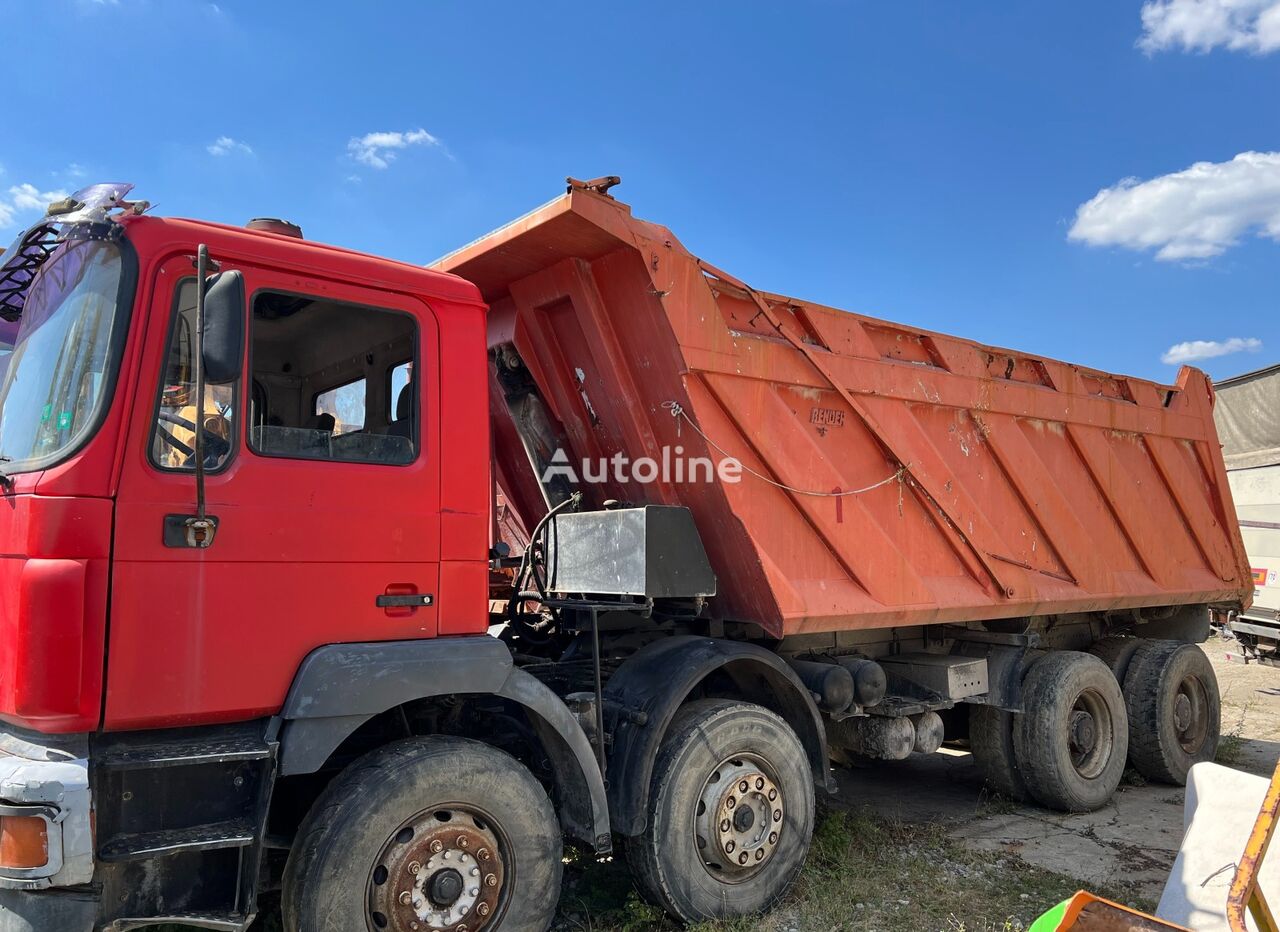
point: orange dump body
(1016, 485)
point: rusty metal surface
(1246, 894)
(1089, 913)
(1002, 484)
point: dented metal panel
(890, 475)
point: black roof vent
(272, 225)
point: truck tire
(991, 743)
(1175, 712)
(1116, 651)
(470, 817)
(710, 849)
(1071, 741)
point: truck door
(324, 478)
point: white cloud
(1208, 349)
(378, 150)
(225, 145)
(25, 198)
(1202, 25)
(1193, 214)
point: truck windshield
(54, 359)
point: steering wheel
(215, 447)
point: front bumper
(51, 783)
(47, 911)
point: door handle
(412, 600)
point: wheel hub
(442, 872)
(1084, 732)
(1090, 734)
(1182, 712)
(740, 818)
(1191, 714)
(445, 888)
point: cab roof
(319, 259)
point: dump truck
(376, 585)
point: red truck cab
(359, 407)
(356, 369)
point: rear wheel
(730, 813)
(1116, 651)
(427, 835)
(1175, 712)
(991, 743)
(1073, 735)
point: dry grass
(864, 872)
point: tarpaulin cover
(1248, 417)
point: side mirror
(223, 327)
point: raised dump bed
(892, 476)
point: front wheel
(427, 835)
(730, 814)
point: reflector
(24, 842)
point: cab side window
(173, 435)
(323, 377)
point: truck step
(224, 922)
(237, 833)
(183, 753)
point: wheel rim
(739, 818)
(1090, 737)
(443, 870)
(1190, 714)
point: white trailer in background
(1248, 419)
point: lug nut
(759, 783)
(462, 842)
(729, 846)
(725, 825)
(483, 909)
(742, 858)
(731, 803)
(773, 794)
(759, 853)
(415, 868)
(773, 838)
(475, 872)
(743, 786)
(406, 898)
(491, 880)
(777, 815)
(437, 846)
(483, 854)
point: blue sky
(926, 162)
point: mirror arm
(202, 271)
